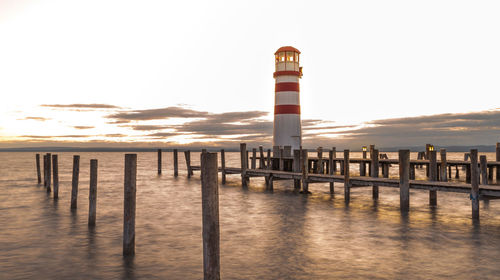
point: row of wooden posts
(210, 202)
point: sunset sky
(172, 73)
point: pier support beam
(320, 160)
(55, 175)
(261, 158)
(443, 176)
(74, 182)
(374, 171)
(296, 168)
(129, 195)
(93, 192)
(187, 157)
(484, 170)
(305, 171)
(404, 180)
(254, 158)
(176, 163)
(159, 161)
(223, 165)
(474, 192)
(244, 164)
(432, 177)
(38, 174)
(331, 164)
(49, 164)
(347, 184)
(498, 159)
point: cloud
(156, 114)
(147, 127)
(42, 119)
(83, 127)
(81, 106)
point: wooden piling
(334, 163)
(374, 170)
(44, 171)
(244, 164)
(38, 174)
(457, 173)
(176, 163)
(320, 160)
(305, 171)
(432, 167)
(362, 165)
(74, 181)
(254, 158)
(261, 158)
(330, 169)
(484, 170)
(347, 186)
(269, 163)
(187, 157)
(296, 168)
(474, 192)
(443, 176)
(282, 162)
(55, 175)
(223, 165)
(129, 199)
(404, 180)
(412, 171)
(498, 159)
(49, 164)
(372, 147)
(93, 192)
(210, 209)
(159, 161)
(467, 169)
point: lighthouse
(287, 129)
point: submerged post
(223, 165)
(444, 172)
(176, 163)
(498, 159)
(187, 157)
(296, 168)
(347, 186)
(484, 170)
(432, 177)
(93, 192)
(159, 161)
(74, 181)
(243, 157)
(404, 180)
(474, 191)
(210, 208)
(305, 171)
(55, 174)
(374, 170)
(44, 171)
(38, 175)
(330, 170)
(49, 164)
(129, 198)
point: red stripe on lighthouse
(286, 87)
(286, 109)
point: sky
(191, 73)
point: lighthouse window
(277, 58)
(282, 56)
(296, 57)
(289, 56)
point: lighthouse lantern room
(287, 129)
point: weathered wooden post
(223, 165)
(261, 158)
(443, 176)
(484, 170)
(374, 170)
(372, 147)
(244, 164)
(305, 171)
(93, 192)
(334, 164)
(74, 181)
(269, 166)
(362, 164)
(347, 184)
(320, 160)
(49, 160)
(55, 174)
(467, 169)
(282, 162)
(330, 169)
(254, 158)
(474, 191)
(176, 163)
(159, 161)
(129, 195)
(38, 174)
(45, 171)
(404, 180)
(432, 177)
(412, 171)
(498, 159)
(187, 157)
(457, 173)
(210, 208)
(296, 168)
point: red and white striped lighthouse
(287, 129)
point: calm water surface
(264, 235)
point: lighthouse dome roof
(287, 49)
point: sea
(279, 234)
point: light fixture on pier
(364, 148)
